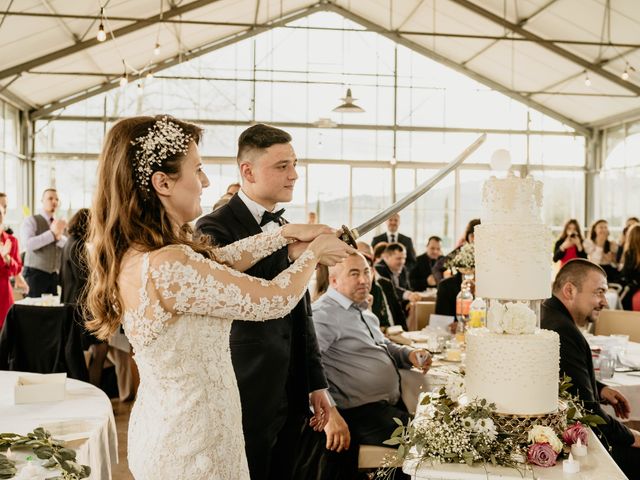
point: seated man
(360, 363)
(385, 305)
(392, 267)
(578, 296)
(422, 275)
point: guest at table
(392, 266)
(392, 235)
(421, 275)
(73, 278)
(360, 363)
(385, 305)
(19, 281)
(631, 221)
(630, 272)
(440, 269)
(10, 265)
(578, 297)
(601, 250)
(570, 243)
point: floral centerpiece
(57, 456)
(463, 260)
(454, 429)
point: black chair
(43, 340)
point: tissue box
(38, 388)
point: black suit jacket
(576, 362)
(404, 240)
(388, 291)
(403, 279)
(448, 290)
(421, 270)
(277, 363)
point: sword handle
(348, 236)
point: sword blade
(420, 190)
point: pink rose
(575, 432)
(542, 454)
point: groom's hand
(321, 409)
(296, 249)
(305, 233)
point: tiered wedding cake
(512, 362)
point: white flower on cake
(519, 319)
(494, 317)
(454, 387)
(540, 434)
(513, 318)
(486, 427)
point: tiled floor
(121, 411)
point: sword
(350, 235)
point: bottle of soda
(463, 308)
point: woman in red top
(10, 265)
(569, 245)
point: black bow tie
(271, 217)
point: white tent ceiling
(537, 51)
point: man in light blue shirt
(360, 363)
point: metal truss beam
(545, 43)
(79, 46)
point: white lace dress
(187, 422)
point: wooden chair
(413, 383)
(619, 321)
(420, 313)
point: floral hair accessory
(164, 139)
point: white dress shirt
(257, 211)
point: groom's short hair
(259, 137)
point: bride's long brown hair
(125, 216)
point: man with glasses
(578, 297)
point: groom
(277, 363)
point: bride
(176, 297)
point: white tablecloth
(628, 384)
(85, 413)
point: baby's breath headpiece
(165, 138)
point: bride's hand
(330, 250)
(305, 233)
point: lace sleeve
(186, 282)
(243, 254)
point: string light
(123, 79)
(628, 70)
(587, 80)
(101, 36)
(156, 50)
(140, 89)
(150, 74)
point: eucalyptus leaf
(392, 441)
(397, 431)
(398, 421)
(43, 452)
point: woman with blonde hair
(177, 296)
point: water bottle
(463, 308)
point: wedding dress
(186, 422)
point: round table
(84, 418)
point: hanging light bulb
(102, 35)
(156, 49)
(140, 89)
(149, 74)
(124, 80)
(625, 74)
(347, 104)
(587, 80)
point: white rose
(454, 387)
(494, 317)
(540, 434)
(518, 319)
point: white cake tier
(511, 200)
(513, 261)
(519, 373)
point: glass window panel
(563, 196)
(328, 193)
(371, 193)
(69, 136)
(220, 140)
(220, 175)
(75, 181)
(556, 150)
(435, 210)
(11, 129)
(405, 184)
(470, 187)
